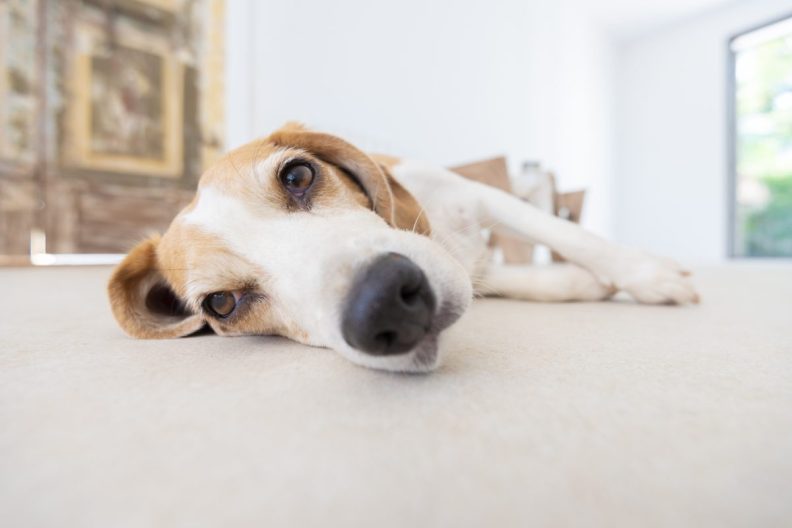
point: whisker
(415, 224)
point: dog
(303, 235)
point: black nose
(389, 308)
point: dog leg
(553, 283)
(647, 278)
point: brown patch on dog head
(142, 300)
(352, 161)
(158, 289)
(198, 264)
(354, 189)
(253, 173)
(386, 196)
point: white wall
(239, 77)
(446, 81)
(641, 123)
(670, 141)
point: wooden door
(124, 113)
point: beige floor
(543, 415)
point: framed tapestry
(125, 114)
(110, 110)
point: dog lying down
(302, 235)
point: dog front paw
(653, 280)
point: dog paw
(654, 280)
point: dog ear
(407, 212)
(346, 157)
(142, 301)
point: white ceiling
(630, 18)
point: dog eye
(297, 178)
(221, 304)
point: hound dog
(302, 235)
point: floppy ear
(407, 212)
(348, 158)
(142, 301)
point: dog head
(300, 235)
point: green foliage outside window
(764, 148)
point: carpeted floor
(605, 414)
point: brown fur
(346, 157)
(139, 271)
(408, 213)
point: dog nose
(389, 308)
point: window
(761, 130)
